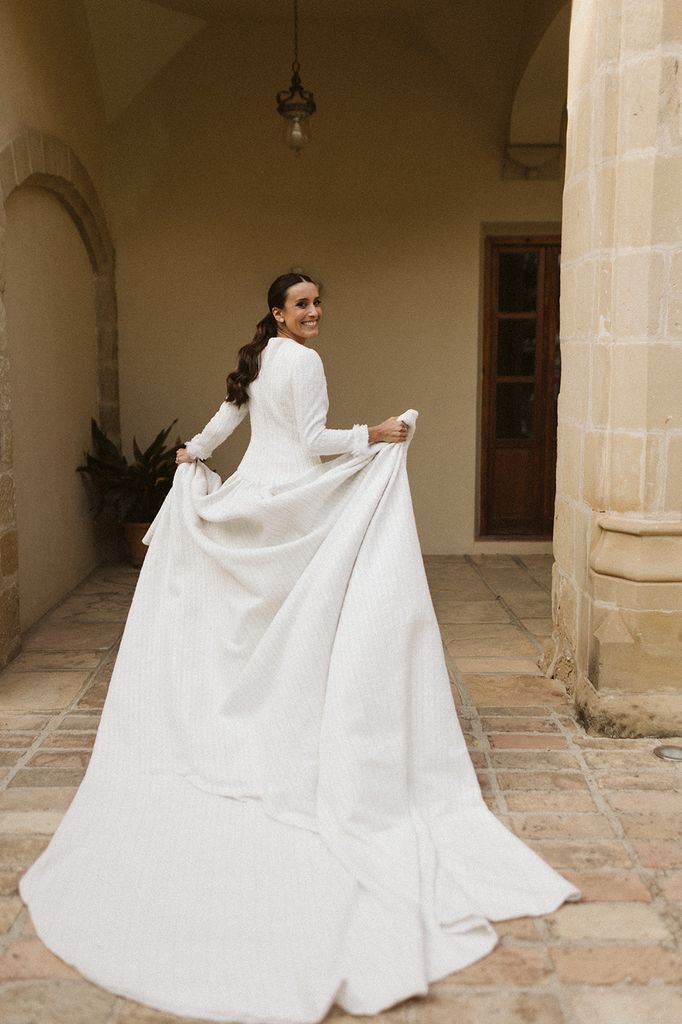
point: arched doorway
(39, 162)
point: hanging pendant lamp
(296, 104)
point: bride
(280, 812)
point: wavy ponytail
(248, 359)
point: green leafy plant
(123, 492)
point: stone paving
(605, 812)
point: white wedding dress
(280, 811)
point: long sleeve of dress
(219, 427)
(311, 404)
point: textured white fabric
(280, 812)
(289, 406)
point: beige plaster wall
(53, 377)
(48, 82)
(48, 78)
(385, 207)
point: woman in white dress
(280, 812)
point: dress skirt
(280, 812)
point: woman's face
(300, 317)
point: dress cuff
(192, 451)
(360, 438)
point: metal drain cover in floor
(669, 753)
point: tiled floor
(605, 812)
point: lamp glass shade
(296, 132)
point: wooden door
(521, 371)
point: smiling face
(299, 319)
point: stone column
(617, 587)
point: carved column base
(631, 683)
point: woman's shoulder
(296, 348)
(300, 354)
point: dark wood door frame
(540, 454)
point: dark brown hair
(248, 361)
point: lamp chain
(296, 66)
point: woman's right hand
(392, 429)
(182, 455)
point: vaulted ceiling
(486, 43)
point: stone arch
(37, 158)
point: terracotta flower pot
(134, 532)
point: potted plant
(129, 494)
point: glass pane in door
(518, 282)
(514, 410)
(516, 348)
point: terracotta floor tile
(663, 802)
(606, 886)
(512, 645)
(29, 958)
(55, 1001)
(64, 740)
(16, 722)
(565, 801)
(48, 691)
(453, 1006)
(630, 1005)
(59, 759)
(613, 922)
(526, 741)
(483, 561)
(553, 782)
(533, 760)
(10, 908)
(80, 720)
(649, 781)
(538, 627)
(628, 760)
(29, 822)
(528, 604)
(516, 724)
(561, 826)
(609, 965)
(490, 631)
(36, 798)
(487, 691)
(467, 590)
(112, 607)
(95, 695)
(56, 661)
(17, 740)
(72, 636)
(108, 580)
(515, 666)
(652, 826)
(9, 880)
(520, 929)
(671, 886)
(582, 856)
(47, 777)
(472, 611)
(508, 966)
(20, 850)
(659, 853)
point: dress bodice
(287, 405)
